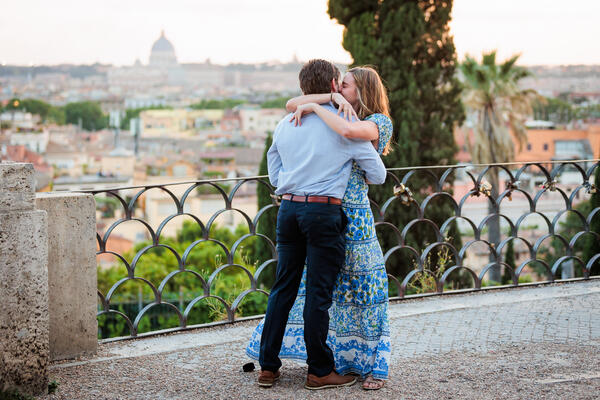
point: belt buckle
(277, 199)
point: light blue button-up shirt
(312, 159)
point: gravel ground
(534, 371)
(536, 343)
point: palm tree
(492, 93)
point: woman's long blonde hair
(372, 95)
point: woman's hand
(344, 107)
(300, 111)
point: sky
(34, 32)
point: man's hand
(301, 110)
(344, 107)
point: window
(545, 146)
(572, 148)
(528, 146)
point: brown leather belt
(312, 199)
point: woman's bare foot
(371, 383)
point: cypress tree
(592, 244)
(267, 222)
(509, 258)
(409, 43)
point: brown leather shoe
(267, 378)
(332, 380)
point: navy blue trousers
(311, 233)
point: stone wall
(72, 275)
(24, 351)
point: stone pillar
(24, 354)
(72, 275)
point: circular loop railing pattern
(414, 201)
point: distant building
(162, 55)
(544, 144)
(164, 123)
(260, 120)
(19, 120)
(221, 162)
(205, 75)
(136, 77)
(168, 167)
(231, 121)
(179, 122)
(558, 144)
(34, 141)
(118, 162)
(66, 159)
(144, 101)
(162, 68)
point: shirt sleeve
(385, 127)
(274, 163)
(369, 161)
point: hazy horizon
(235, 31)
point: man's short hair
(316, 76)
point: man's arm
(274, 163)
(369, 161)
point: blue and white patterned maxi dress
(359, 334)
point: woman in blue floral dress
(359, 333)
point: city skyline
(230, 31)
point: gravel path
(541, 343)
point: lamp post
(15, 105)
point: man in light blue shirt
(310, 166)
(311, 159)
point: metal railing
(533, 202)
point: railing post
(72, 274)
(24, 354)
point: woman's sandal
(371, 383)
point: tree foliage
(553, 249)
(409, 43)
(213, 104)
(561, 110)
(509, 259)
(553, 109)
(278, 102)
(33, 106)
(592, 245)
(155, 264)
(46, 111)
(88, 112)
(492, 93)
(268, 221)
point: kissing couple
(329, 302)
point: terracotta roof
(22, 154)
(54, 147)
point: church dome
(162, 44)
(163, 53)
